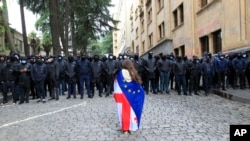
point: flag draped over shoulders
(129, 97)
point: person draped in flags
(129, 97)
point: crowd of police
(39, 77)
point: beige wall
(229, 16)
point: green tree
(35, 42)
(107, 43)
(88, 20)
(47, 43)
(102, 46)
(7, 28)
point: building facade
(184, 27)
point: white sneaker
(44, 100)
(125, 132)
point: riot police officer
(96, 67)
(71, 76)
(110, 67)
(39, 74)
(53, 77)
(24, 80)
(83, 71)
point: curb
(231, 96)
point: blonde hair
(128, 65)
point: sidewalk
(235, 95)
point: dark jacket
(239, 64)
(207, 69)
(151, 67)
(83, 67)
(24, 76)
(194, 68)
(179, 68)
(164, 65)
(39, 72)
(52, 70)
(61, 65)
(110, 67)
(221, 65)
(70, 72)
(96, 69)
(7, 73)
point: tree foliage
(102, 46)
(77, 20)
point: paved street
(165, 118)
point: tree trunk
(6, 24)
(47, 53)
(73, 35)
(54, 26)
(25, 42)
(67, 14)
(64, 27)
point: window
(176, 52)
(182, 50)
(161, 29)
(141, 2)
(181, 13)
(217, 41)
(136, 31)
(150, 15)
(20, 43)
(148, 2)
(136, 13)
(160, 4)
(178, 13)
(203, 3)
(132, 25)
(137, 49)
(175, 18)
(150, 39)
(142, 25)
(204, 44)
(143, 46)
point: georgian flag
(129, 97)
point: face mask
(222, 57)
(50, 60)
(23, 61)
(136, 57)
(125, 57)
(39, 61)
(96, 59)
(244, 55)
(110, 57)
(120, 57)
(70, 59)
